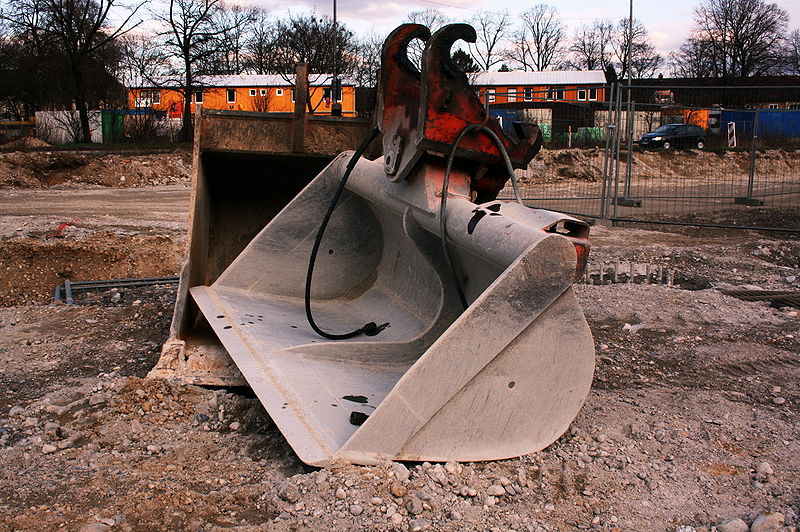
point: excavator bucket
(482, 351)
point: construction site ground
(692, 420)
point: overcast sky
(668, 21)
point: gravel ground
(692, 422)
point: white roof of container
(249, 80)
(547, 77)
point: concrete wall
(62, 127)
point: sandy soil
(692, 420)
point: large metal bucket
(502, 378)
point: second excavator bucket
(436, 381)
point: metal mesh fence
(728, 157)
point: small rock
(116, 297)
(356, 509)
(415, 525)
(400, 471)
(396, 518)
(496, 490)
(49, 449)
(376, 501)
(455, 515)
(453, 468)
(601, 438)
(414, 506)
(97, 399)
(733, 525)
(95, 527)
(15, 410)
(30, 422)
(341, 494)
(235, 426)
(779, 400)
(154, 448)
(288, 492)
(398, 490)
(764, 468)
(686, 528)
(768, 522)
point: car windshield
(669, 128)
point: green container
(547, 134)
(113, 123)
(589, 135)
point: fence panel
(711, 165)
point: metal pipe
(606, 158)
(125, 280)
(618, 131)
(751, 176)
(68, 290)
(629, 161)
(719, 226)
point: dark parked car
(675, 136)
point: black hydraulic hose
(370, 329)
(446, 184)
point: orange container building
(544, 86)
(269, 93)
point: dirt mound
(66, 169)
(35, 266)
(24, 143)
(587, 164)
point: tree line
(57, 54)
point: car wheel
(701, 144)
(667, 145)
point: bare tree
(143, 60)
(492, 30)
(76, 29)
(259, 46)
(262, 101)
(309, 39)
(735, 38)
(192, 37)
(692, 60)
(591, 46)
(539, 41)
(433, 19)
(238, 25)
(793, 53)
(643, 60)
(368, 60)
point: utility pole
(336, 86)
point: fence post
(626, 200)
(749, 199)
(606, 158)
(618, 131)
